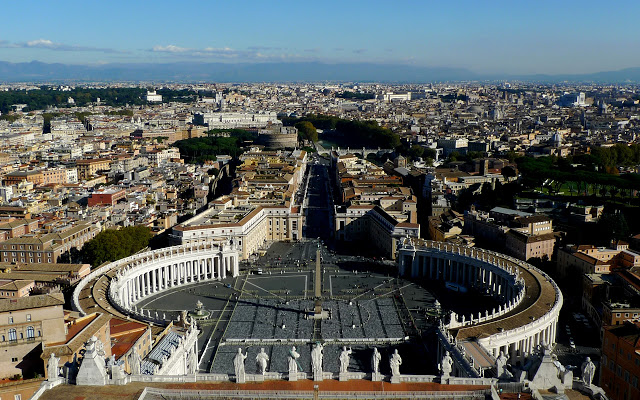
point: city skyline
(496, 38)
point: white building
(72, 175)
(6, 193)
(230, 120)
(153, 97)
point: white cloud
(42, 43)
(170, 49)
(51, 45)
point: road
(319, 203)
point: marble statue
(293, 360)
(316, 358)
(375, 361)
(192, 364)
(501, 367)
(100, 348)
(261, 359)
(344, 359)
(446, 366)
(588, 370)
(394, 362)
(52, 367)
(134, 363)
(238, 365)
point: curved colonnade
(526, 317)
(530, 300)
(144, 274)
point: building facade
(26, 324)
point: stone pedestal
(240, 378)
(395, 378)
(343, 376)
(93, 369)
(293, 376)
(317, 376)
(377, 377)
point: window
(12, 335)
(14, 359)
(11, 320)
(30, 332)
(17, 397)
(28, 317)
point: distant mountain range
(37, 71)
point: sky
(514, 37)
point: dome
(476, 109)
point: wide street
(318, 205)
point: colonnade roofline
(531, 299)
(183, 255)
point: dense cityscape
(320, 200)
(397, 200)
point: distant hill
(37, 71)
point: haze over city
(494, 38)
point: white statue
(261, 359)
(344, 359)
(316, 358)
(588, 370)
(375, 361)
(501, 367)
(394, 362)
(52, 367)
(293, 360)
(238, 365)
(134, 362)
(446, 366)
(192, 364)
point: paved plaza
(268, 304)
(267, 308)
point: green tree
(416, 151)
(111, 245)
(612, 225)
(307, 131)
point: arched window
(12, 335)
(30, 332)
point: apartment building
(46, 248)
(620, 362)
(87, 168)
(26, 324)
(251, 227)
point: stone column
(154, 279)
(153, 274)
(225, 265)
